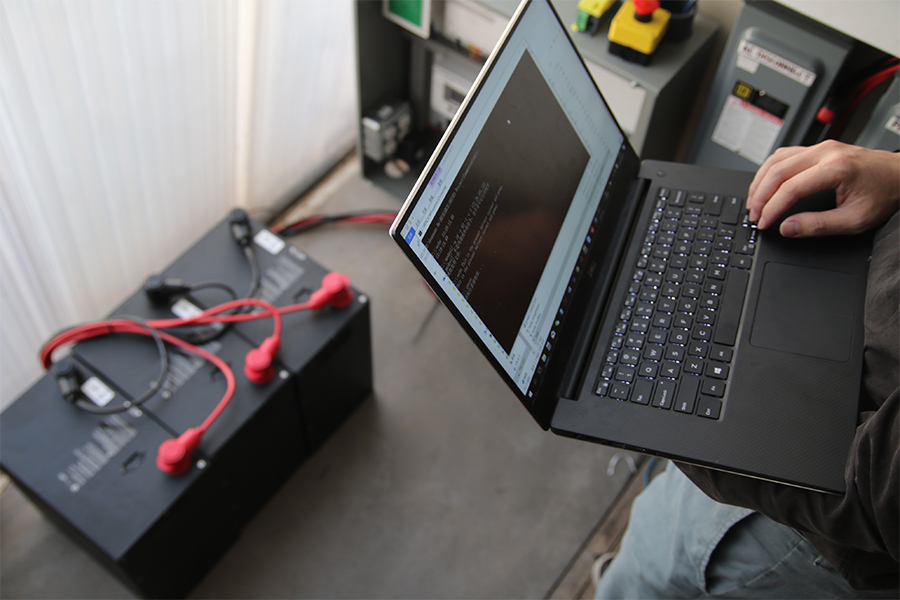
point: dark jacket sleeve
(859, 532)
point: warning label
(893, 124)
(750, 56)
(746, 130)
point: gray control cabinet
(653, 103)
(775, 72)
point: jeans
(680, 543)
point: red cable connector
(175, 454)
(258, 365)
(335, 291)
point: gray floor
(439, 486)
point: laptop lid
(517, 220)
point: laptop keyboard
(673, 343)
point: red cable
(175, 454)
(92, 330)
(208, 316)
(382, 218)
(861, 91)
(386, 217)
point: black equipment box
(95, 476)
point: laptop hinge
(572, 380)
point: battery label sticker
(97, 391)
(750, 123)
(269, 241)
(893, 124)
(185, 309)
(750, 56)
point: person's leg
(682, 544)
(759, 558)
(671, 533)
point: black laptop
(630, 302)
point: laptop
(631, 303)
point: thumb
(817, 224)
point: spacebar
(730, 313)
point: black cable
(255, 274)
(203, 334)
(215, 284)
(194, 336)
(156, 386)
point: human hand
(866, 184)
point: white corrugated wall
(128, 128)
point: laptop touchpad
(805, 311)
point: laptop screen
(507, 210)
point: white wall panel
(127, 129)
(305, 95)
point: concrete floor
(438, 486)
